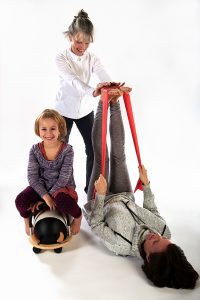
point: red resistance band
(129, 111)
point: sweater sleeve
(95, 219)
(149, 200)
(66, 171)
(99, 71)
(34, 175)
(66, 72)
(149, 203)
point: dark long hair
(170, 269)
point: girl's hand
(101, 185)
(35, 206)
(143, 175)
(49, 201)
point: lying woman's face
(155, 243)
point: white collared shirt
(74, 97)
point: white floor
(85, 269)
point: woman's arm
(149, 199)
(99, 226)
(96, 217)
(66, 72)
(99, 71)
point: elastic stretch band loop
(104, 130)
(129, 111)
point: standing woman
(76, 65)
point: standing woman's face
(79, 43)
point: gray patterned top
(47, 176)
(121, 224)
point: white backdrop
(154, 47)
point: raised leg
(119, 177)
(97, 142)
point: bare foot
(35, 239)
(75, 225)
(27, 228)
(113, 95)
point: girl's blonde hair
(54, 115)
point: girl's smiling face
(48, 130)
